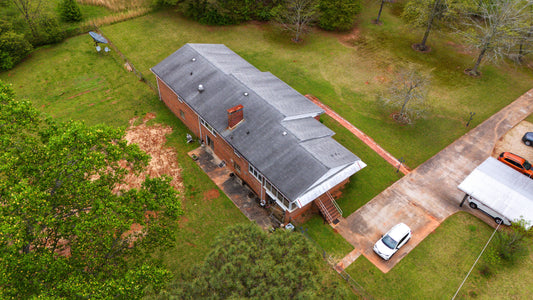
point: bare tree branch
(295, 16)
(30, 9)
(493, 31)
(408, 93)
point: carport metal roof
(503, 189)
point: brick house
(266, 132)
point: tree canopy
(496, 29)
(434, 13)
(408, 92)
(338, 14)
(65, 231)
(247, 262)
(295, 16)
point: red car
(516, 162)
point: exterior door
(209, 142)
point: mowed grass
(71, 81)
(347, 77)
(438, 265)
(335, 247)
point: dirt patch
(211, 194)
(79, 94)
(152, 139)
(461, 49)
(512, 142)
(183, 221)
(349, 38)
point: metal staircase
(329, 208)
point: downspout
(200, 129)
(158, 89)
(262, 189)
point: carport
(500, 188)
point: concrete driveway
(425, 197)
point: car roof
(513, 156)
(398, 231)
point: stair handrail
(334, 203)
(325, 211)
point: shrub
(49, 31)
(338, 14)
(510, 245)
(226, 12)
(239, 11)
(69, 11)
(13, 46)
(204, 12)
(165, 3)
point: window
(255, 173)
(182, 114)
(208, 126)
(276, 194)
(514, 163)
(237, 167)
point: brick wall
(222, 149)
(225, 152)
(180, 109)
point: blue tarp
(97, 37)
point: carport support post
(464, 199)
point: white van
(500, 192)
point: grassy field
(347, 77)
(438, 265)
(71, 80)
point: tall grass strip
(115, 18)
(118, 5)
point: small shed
(501, 189)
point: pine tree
(70, 11)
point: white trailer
(499, 191)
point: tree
(247, 262)
(510, 244)
(377, 21)
(64, 231)
(433, 13)
(30, 10)
(49, 31)
(338, 14)
(295, 16)
(408, 92)
(525, 39)
(494, 31)
(13, 46)
(70, 11)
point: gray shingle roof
(278, 136)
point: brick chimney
(235, 116)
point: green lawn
(438, 265)
(71, 80)
(347, 78)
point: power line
(457, 292)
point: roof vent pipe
(201, 88)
